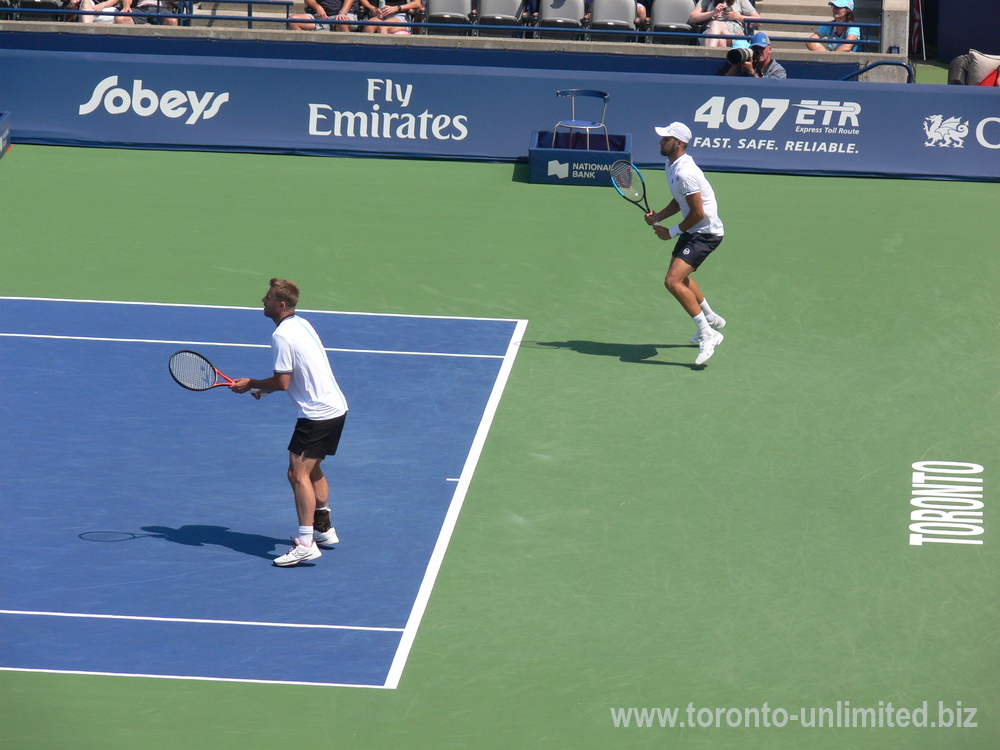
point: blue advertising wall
(189, 96)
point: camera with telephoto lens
(739, 55)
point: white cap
(677, 130)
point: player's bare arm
(656, 216)
(696, 212)
(277, 382)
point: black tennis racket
(628, 181)
(195, 372)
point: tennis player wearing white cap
(698, 233)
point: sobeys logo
(144, 102)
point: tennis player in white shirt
(698, 233)
(302, 368)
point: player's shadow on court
(220, 536)
(634, 353)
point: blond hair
(285, 291)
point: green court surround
(639, 533)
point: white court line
(192, 677)
(199, 622)
(240, 307)
(250, 346)
(451, 517)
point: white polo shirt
(299, 352)
(685, 177)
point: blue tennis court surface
(141, 519)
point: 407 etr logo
(812, 116)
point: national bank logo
(946, 133)
(558, 169)
(145, 102)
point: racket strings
(627, 180)
(192, 370)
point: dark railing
(856, 73)
(187, 7)
(184, 16)
(865, 28)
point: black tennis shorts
(316, 438)
(694, 248)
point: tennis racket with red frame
(194, 372)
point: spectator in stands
(838, 35)
(104, 11)
(760, 64)
(728, 17)
(148, 6)
(642, 13)
(338, 10)
(399, 13)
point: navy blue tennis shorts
(694, 248)
(316, 438)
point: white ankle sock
(306, 535)
(702, 322)
(709, 312)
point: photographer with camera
(753, 60)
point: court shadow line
(632, 353)
(196, 535)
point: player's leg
(300, 472)
(321, 488)
(678, 284)
(677, 276)
(300, 469)
(691, 284)
(323, 531)
(305, 474)
(714, 319)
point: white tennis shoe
(718, 323)
(327, 537)
(297, 554)
(706, 346)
